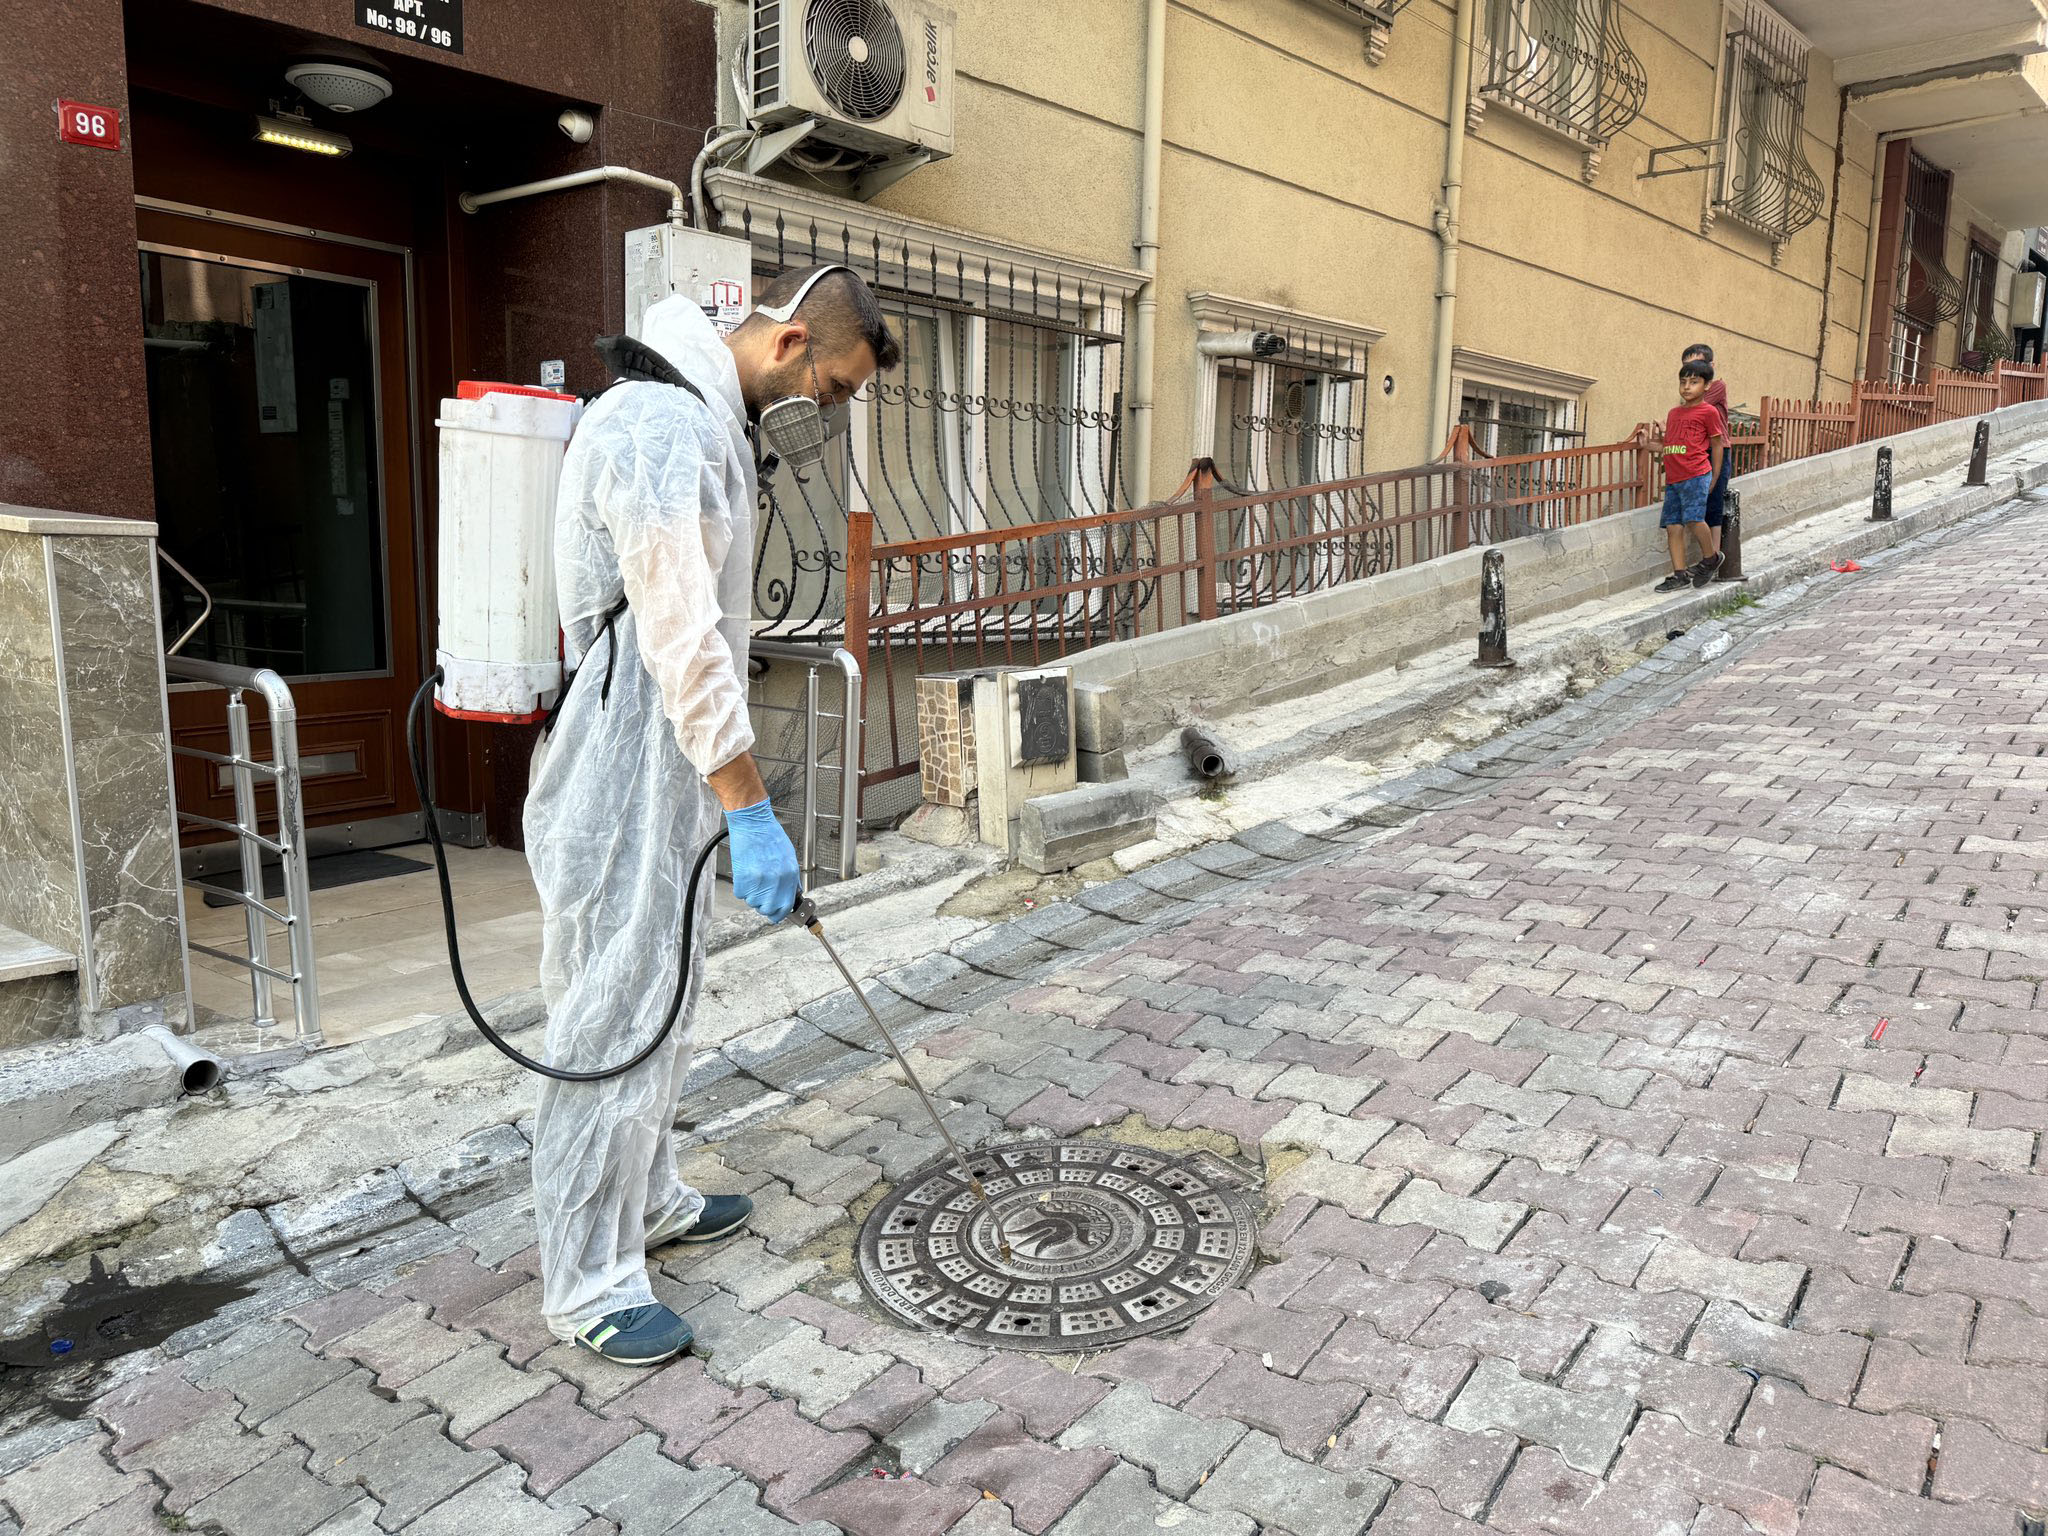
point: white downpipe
(1147, 245)
(1447, 228)
(1884, 141)
(678, 212)
(700, 206)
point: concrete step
(38, 990)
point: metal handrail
(289, 844)
(818, 659)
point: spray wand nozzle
(806, 912)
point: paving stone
(1262, 1481)
(1039, 1482)
(640, 1490)
(1395, 1308)
(1585, 1428)
(1046, 1398)
(727, 1335)
(1125, 1501)
(1421, 1380)
(2009, 1150)
(928, 1435)
(1539, 1346)
(787, 1455)
(454, 1285)
(1543, 1494)
(135, 1513)
(1335, 1092)
(476, 1388)
(1658, 1321)
(684, 1405)
(882, 1404)
(1484, 1224)
(1825, 1366)
(1301, 1415)
(1842, 1504)
(1706, 1399)
(65, 1486)
(802, 1366)
(412, 1469)
(1344, 1138)
(1178, 1450)
(1765, 1291)
(1763, 1487)
(273, 1372)
(553, 1437)
(277, 1497)
(338, 1421)
(42, 1437)
(885, 1506)
(1891, 1449)
(1456, 1169)
(1169, 1369)
(1360, 1191)
(736, 1510)
(498, 1504)
(1460, 1470)
(2011, 1399)
(401, 1345)
(150, 1406)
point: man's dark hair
(1694, 368)
(840, 311)
(1700, 350)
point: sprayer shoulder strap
(628, 360)
(608, 629)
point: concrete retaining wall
(1268, 655)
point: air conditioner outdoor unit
(872, 78)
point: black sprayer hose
(416, 750)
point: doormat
(323, 874)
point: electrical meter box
(2029, 291)
(714, 271)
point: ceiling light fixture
(338, 87)
(290, 130)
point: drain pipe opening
(198, 1071)
(1207, 754)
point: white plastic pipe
(700, 206)
(1447, 228)
(1147, 246)
(678, 213)
(198, 1071)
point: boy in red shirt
(1693, 444)
(1717, 397)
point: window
(1506, 423)
(1908, 352)
(1979, 291)
(1766, 183)
(1563, 64)
(1512, 410)
(1005, 410)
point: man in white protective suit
(654, 563)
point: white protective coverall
(656, 502)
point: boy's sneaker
(1704, 571)
(636, 1335)
(1674, 581)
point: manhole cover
(1107, 1241)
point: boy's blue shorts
(1685, 501)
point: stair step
(22, 957)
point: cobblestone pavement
(1595, 1202)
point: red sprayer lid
(476, 389)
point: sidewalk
(1590, 1205)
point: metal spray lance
(807, 914)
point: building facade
(1298, 239)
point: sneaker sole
(643, 1360)
(712, 1237)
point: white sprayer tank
(499, 647)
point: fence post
(1731, 538)
(860, 544)
(1881, 487)
(1204, 473)
(1980, 453)
(1493, 612)
(1763, 425)
(1855, 413)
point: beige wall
(1299, 175)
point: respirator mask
(793, 429)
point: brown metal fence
(1029, 595)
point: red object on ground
(1877, 1034)
(1845, 566)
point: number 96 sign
(80, 122)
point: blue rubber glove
(764, 872)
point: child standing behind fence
(1693, 445)
(1717, 397)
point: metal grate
(1766, 182)
(1566, 64)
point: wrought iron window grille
(1005, 412)
(1766, 183)
(1565, 65)
(1375, 16)
(1928, 292)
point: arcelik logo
(931, 62)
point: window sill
(1590, 148)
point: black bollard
(1881, 491)
(1493, 612)
(1731, 539)
(1980, 454)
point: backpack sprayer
(499, 659)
